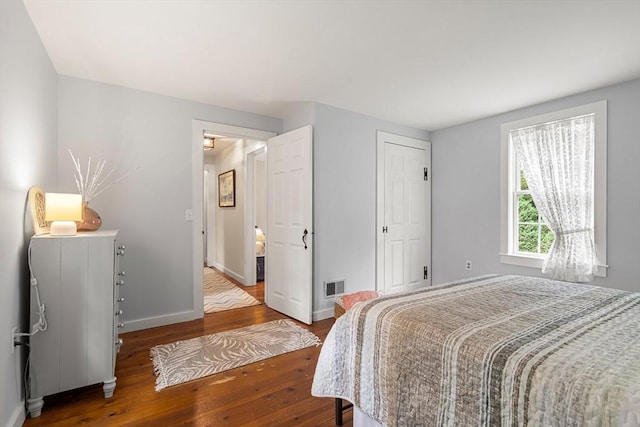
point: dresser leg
(108, 387)
(34, 406)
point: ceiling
(426, 64)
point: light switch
(188, 215)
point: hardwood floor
(273, 392)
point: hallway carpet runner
(195, 358)
(221, 294)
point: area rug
(221, 294)
(189, 360)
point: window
(531, 233)
(524, 237)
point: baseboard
(18, 417)
(185, 316)
(154, 322)
(323, 314)
(225, 270)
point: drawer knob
(121, 299)
(120, 282)
(119, 313)
(120, 252)
(121, 247)
(121, 325)
(121, 273)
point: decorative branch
(92, 184)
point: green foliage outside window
(533, 234)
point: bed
(491, 350)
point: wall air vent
(332, 288)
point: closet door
(404, 214)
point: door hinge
(426, 272)
(426, 174)
(384, 229)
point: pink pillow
(349, 300)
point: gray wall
(150, 136)
(27, 157)
(466, 190)
(344, 185)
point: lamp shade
(64, 210)
(260, 238)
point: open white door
(289, 266)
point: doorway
(199, 129)
(256, 191)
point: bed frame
(340, 408)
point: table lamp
(63, 210)
(260, 238)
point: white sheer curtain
(557, 159)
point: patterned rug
(220, 294)
(189, 360)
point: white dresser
(78, 279)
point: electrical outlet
(14, 332)
(467, 266)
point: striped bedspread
(489, 351)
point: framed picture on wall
(227, 189)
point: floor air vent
(333, 288)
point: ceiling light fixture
(207, 143)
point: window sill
(536, 262)
(522, 260)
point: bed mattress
(492, 350)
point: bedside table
(260, 268)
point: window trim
(507, 159)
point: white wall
(230, 220)
(151, 135)
(27, 157)
(466, 190)
(208, 213)
(344, 181)
(261, 192)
